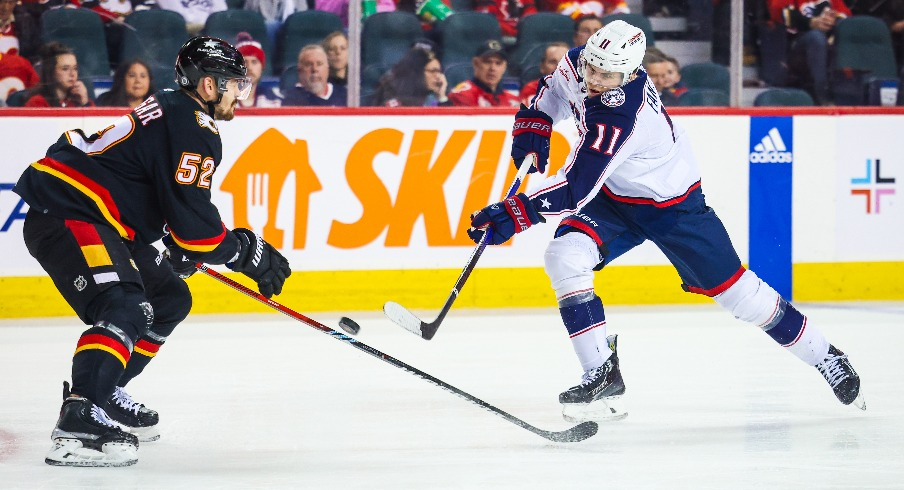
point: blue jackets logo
(771, 139)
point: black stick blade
(577, 433)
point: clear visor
(601, 80)
(242, 85)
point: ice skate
(85, 436)
(839, 373)
(133, 416)
(598, 397)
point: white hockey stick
(408, 320)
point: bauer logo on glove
(505, 219)
(531, 134)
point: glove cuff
(247, 240)
(522, 211)
(532, 121)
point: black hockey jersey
(151, 169)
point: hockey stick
(577, 433)
(408, 320)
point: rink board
(372, 205)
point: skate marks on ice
(255, 401)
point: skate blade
(71, 452)
(608, 409)
(859, 402)
(145, 434)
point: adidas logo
(771, 149)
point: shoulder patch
(462, 86)
(614, 97)
(205, 121)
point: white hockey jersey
(629, 147)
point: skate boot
(132, 416)
(845, 382)
(598, 397)
(85, 436)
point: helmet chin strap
(211, 106)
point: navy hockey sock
(787, 324)
(586, 325)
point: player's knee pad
(752, 300)
(569, 262)
(124, 306)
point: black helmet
(208, 56)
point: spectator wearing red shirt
(579, 8)
(485, 89)
(18, 30)
(507, 12)
(16, 74)
(60, 86)
(810, 23)
(551, 57)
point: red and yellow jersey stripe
(201, 245)
(91, 189)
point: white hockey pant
(752, 300)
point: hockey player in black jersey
(97, 203)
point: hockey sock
(145, 350)
(586, 325)
(790, 329)
(99, 361)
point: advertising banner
(375, 205)
(870, 191)
(771, 164)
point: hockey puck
(349, 326)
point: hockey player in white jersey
(632, 177)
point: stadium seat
(636, 20)
(303, 28)
(18, 98)
(288, 78)
(529, 74)
(155, 37)
(164, 76)
(227, 24)
(461, 34)
(462, 5)
(370, 78)
(458, 72)
(387, 36)
(82, 30)
(535, 32)
(703, 97)
(783, 97)
(706, 75)
(863, 54)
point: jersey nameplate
(148, 110)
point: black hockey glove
(260, 261)
(508, 217)
(182, 265)
(531, 135)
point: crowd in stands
(793, 41)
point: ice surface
(262, 401)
